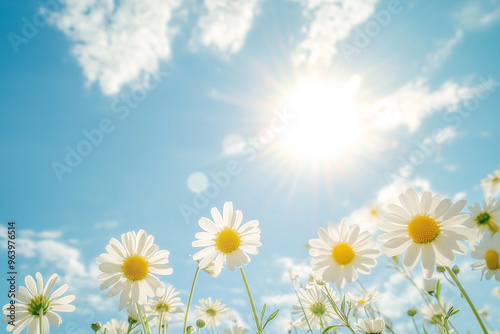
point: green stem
(415, 324)
(301, 306)
(144, 324)
(189, 300)
(161, 320)
(469, 301)
(342, 317)
(251, 300)
(40, 322)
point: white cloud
(279, 300)
(478, 14)
(446, 134)
(435, 60)
(108, 224)
(398, 296)
(331, 22)
(294, 268)
(459, 196)
(415, 101)
(117, 43)
(225, 25)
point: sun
(326, 122)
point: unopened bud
(395, 259)
(96, 326)
(412, 312)
(440, 269)
(200, 323)
(455, 270)
(190, 329)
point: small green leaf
(328, 328)
(262, 314)
(271, 317)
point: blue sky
(177, 88)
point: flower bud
(96, 326)
(455, 270)
(190, 329)
(440, 269)
(412, 312)
(200, 323)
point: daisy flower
(164, 306)
(488, 251)
(491, 184)
(316, 307)
(212, 312)
(486, 218)
(115, 327)
(369, 326)
(367, 217)
(368, 298)
(36, 307)
(433, 312)
(429, 227)
(235, 330)
(341, 252)
(225, 241)
(496, 291)
(128, 267)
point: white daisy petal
(429, 227)
(226, 241)
(130, 267)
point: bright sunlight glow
(326, 122)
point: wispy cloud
(435, 59)
(108, 224)
(330, 22)
(478, 14)
(413, 102)
(224, 25)
(117, 43)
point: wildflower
(225, 241)
(429, 227)
(341, 252)
(369, 326)
(488, 251)
(485, 218)
(129, 268)
(212, 312)
(164, 306)
(491, 184)
(317, 307)
(36, 307)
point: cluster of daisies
(425, 228)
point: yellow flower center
(423, 229)
(374, 212)
(491, 258)
(342, 253)
(362, 302)
(135, 268)
(485, 218)
(227, 241)
(318, 309)
(211, 312)
(162, 307)
(38, 306)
